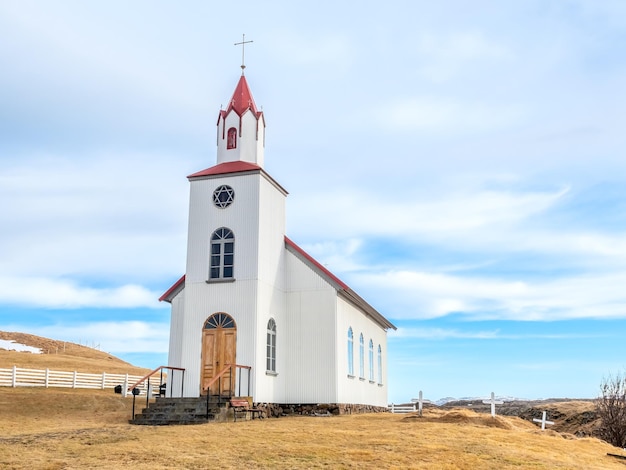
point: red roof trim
(228, 167)
(316, 264)
(169, 291)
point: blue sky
(459, 164)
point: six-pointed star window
(223, 196)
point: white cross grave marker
(420, 402)
(493, 403)
(543, 421)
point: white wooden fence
(18, 377)
(406, 408)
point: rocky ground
(570, 416)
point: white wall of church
(175, 344)
(271, 286)
(360, 389)
(309, 347)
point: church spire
(241, 128)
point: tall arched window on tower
(231, 142)
(271, 346)
(380, 365)
(361, 357)
(371, 360)
(222, 254)
(350, 352)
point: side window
(271, 346)
(371, 360)
(361, 357)
(231, 142)
(350, 352)
(380, 365)
(222, 254)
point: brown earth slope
(62, 355)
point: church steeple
(241, 128)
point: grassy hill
(61, 428)
(62, 355)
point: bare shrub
(611, 409)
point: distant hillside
(62, 355)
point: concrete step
(164, 411)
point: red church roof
(228, 167)
(242, 100)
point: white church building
(252, 299)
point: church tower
(234, 280)
(241, 128)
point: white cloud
(115, 217)
(401, 214)
(442, 57)
(440, 334)
(444, 334)
(428, 295)
(446, 115)
(62, 293)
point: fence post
(47, 377)
(14, 378)
(74, 380)
(104, 378)
(125, 388)
(392, 408)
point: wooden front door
(219, 348)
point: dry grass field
(67, 429)
(83, 429)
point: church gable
(340, 287)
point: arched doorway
(219, 348)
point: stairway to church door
(219, 348)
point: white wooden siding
(311, 304)
(355, 390)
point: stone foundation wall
(276, 410)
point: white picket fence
(18, 377)
(406, 408)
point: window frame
(270, 347)
(371, 360)
(231, 138)
(380, 365)
(350, 352)
(361, 357)
(222, 255)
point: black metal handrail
(218, 379)
(160, 369)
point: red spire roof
(242, 100)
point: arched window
(361, 357)
(222, 253)
(271, 346)
(231, 142)
(350, 352)
(371, 360)
(219, 320)
(380, 365)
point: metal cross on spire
(243, 50)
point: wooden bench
(242, 405)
